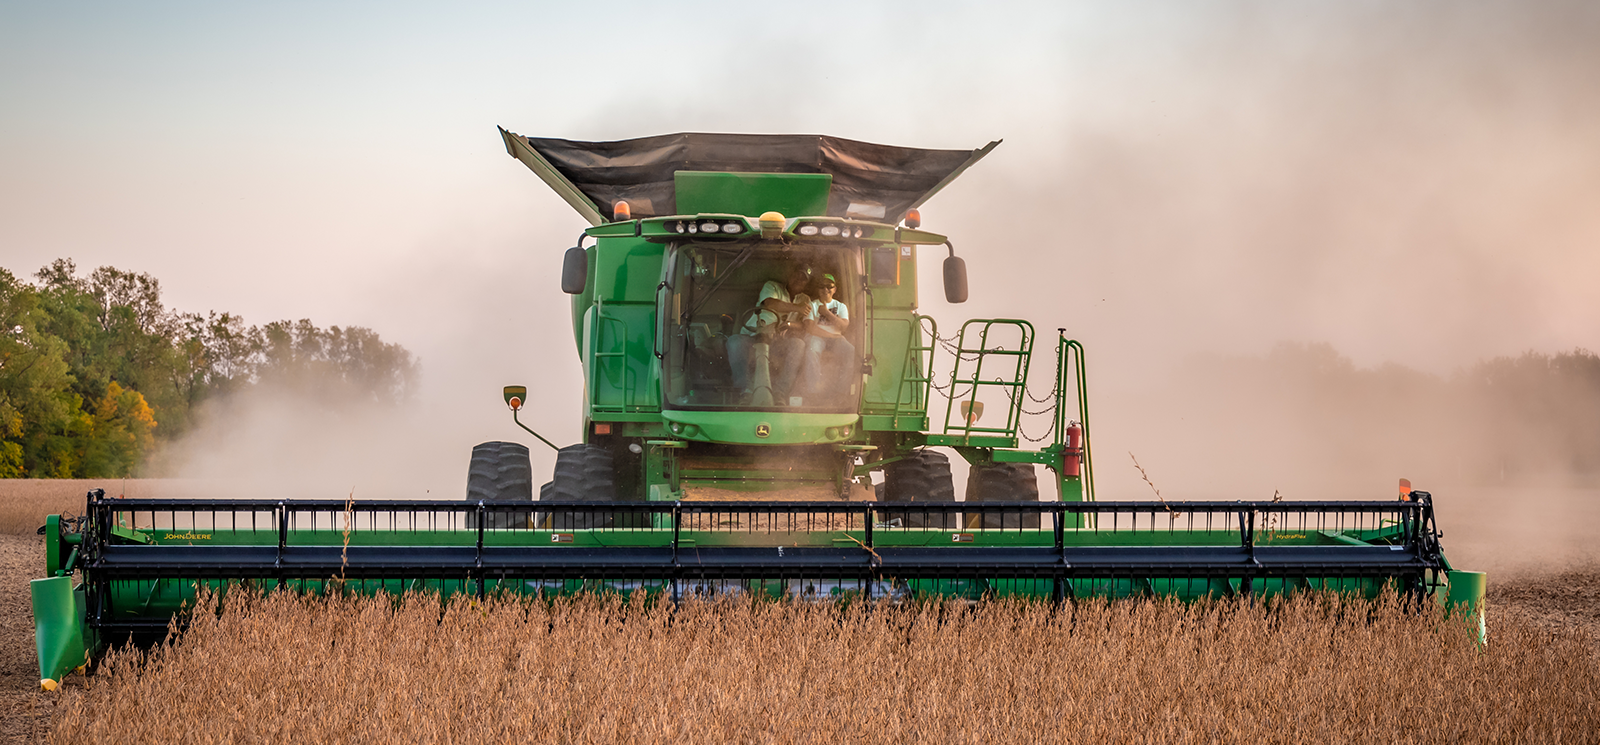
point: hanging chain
(1053, 398)
(1041, 438)
(952, 346)
(1048, 398)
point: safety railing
(1072, 380)
(975, 371)
(917, 369)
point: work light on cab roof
(833, 230)
(706, 227)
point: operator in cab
(830, 319)
(782, 319)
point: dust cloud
(472, 317)
(1409, 184)
(1413, 187)
(280, 443)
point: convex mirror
(575, 270)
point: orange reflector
(602, 428)
(971, 411)
(1405, 488)
(914, 218)
(620, 211)
(516, 403)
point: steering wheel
(744, 322)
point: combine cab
(737, 439)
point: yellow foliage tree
(123, 431)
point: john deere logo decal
(763, 429)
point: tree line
(96, 373)
(1506, 418)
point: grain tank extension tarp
(874, 182)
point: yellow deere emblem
(763, 429)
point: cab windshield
(749, 326)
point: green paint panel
(621, 374)
(59, 626)
(903, 296)
(890, 423)
(793, 194)
(616, 325)
(1467, 590)
(895, 387)
(626, 270)
(52, 545)
(741, 427)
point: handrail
(598, 330)
(923, 378)
(1069, 359)
(1015, 387)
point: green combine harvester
(761, 398)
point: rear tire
(583, 473)
(922, 476)
(1003, 482)
(500, 472)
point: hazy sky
(1409, 181)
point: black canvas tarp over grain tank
(874, 182)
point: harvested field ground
(24, 503)
(25, 713)
(314, 671)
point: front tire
(922, 476)
(583, 473)
(500, 472)
(1003, 482)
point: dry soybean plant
(602, 669)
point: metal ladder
(967, 379)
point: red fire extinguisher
(1074, 464)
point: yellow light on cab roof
(771, 224)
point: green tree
(334, 361)
(122, 431)
(35, 385)
(96, 371)
(1541, 411)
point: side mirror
(955, 278)
(575, 270)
